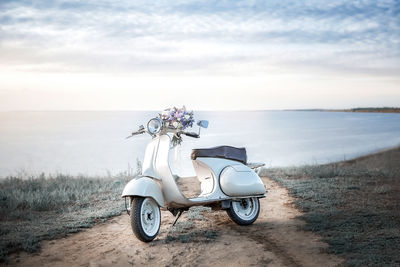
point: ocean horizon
(93, 142)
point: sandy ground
(275, 239)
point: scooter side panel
(144, 187)
(239, 180)
(212, 167)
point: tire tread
(136, 225)
(234, 217)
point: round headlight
(154, 126)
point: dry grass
(354, 205)
(47, 207)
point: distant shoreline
(365, 110)
(368, 109)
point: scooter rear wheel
(244, 211)
(145, 218)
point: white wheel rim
(246, 209)
(150, 216)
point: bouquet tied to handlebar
(177, 119)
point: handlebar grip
(136, 133)
(194, 135)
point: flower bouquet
(177, 118)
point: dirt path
(275, 239)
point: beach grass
(354, 205)
(43, 207)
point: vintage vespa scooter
(227, 182)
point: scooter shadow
(194, 226)
(217, 223)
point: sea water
(93, 142)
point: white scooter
(227, 182)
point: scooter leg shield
(144, 187)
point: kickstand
(177, 217)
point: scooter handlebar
(141, 131)
(136, 133)
(194, 135)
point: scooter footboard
(144, 187)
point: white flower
(175, 124)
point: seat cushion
(226, 152)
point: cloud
(229, 37)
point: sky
(209, 55)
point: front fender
(144, 187)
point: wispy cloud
(200, 36)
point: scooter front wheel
(244, 211)
(145, 218)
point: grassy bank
(47, 207)
(354, 205)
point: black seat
(226, 152)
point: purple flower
(177, 116)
